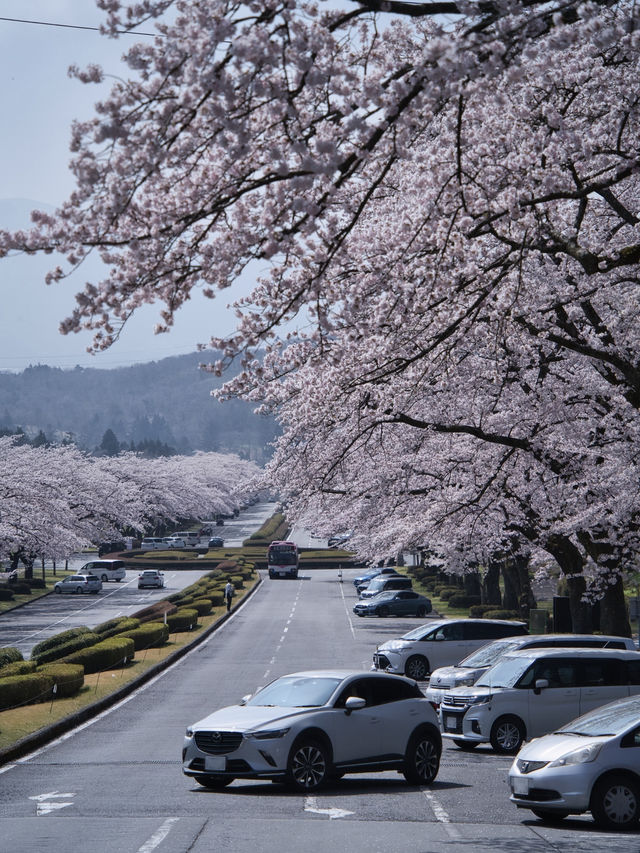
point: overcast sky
(38, 103)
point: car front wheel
(417, 667)
(383, 611)
(104, 578)
(57, 589)
(615, 802)
(507, 734)
(422, 759)
(421, 612)
(308, 766)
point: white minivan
(153, 543)
(469, 670)
(106, 570)
(531, 692)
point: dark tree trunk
(569, 558)
(518, 594)
(491, 584)
(614, 617)
(472, 584)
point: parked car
(111, 547)
(308, 728)
(383, 583)
(590, 764)
(175, 542)
(216, 542)
(439, 643)
(471, 668)
(531, 692)
(153, 543)
(106, 570)
(403, 602)
(363, 580)
(78, 583)
(150, 578)
(191, 538)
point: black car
(216, 542)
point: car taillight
(435, 705)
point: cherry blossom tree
(56, 500)
(449, 209)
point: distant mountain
(167, 401)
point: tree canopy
(448, 206)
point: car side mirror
(354, 703)
(540, 684)
(245, 699)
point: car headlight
(468, 681)
(189, 732)
(578, 756)
(479, 700)
(268, 734)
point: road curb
(43, 736)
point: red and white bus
(282, 558)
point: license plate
(520, 785)
(215, 762)
(451, 723)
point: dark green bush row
(59, 639)
(108, 654)
(25, 689)
(183, 620)
(69, 677)
(477, 611)
(19, 667)
(202, 606)
(6, 594)
(445, 592)
(9, 654)
(116, 626)
(501, 614)
(274, 528)
(463, 600)
(149, 635)
(57, 652)
(21, 588)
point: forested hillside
(167, 401)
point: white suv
(440, 643)
(106, 570)
(531, 692)
(308, 728)
(468, 671)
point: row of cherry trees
(55, 500)
(449, 209)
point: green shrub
(6, 594)
(19, 690)
(149, 635)
(69, 677)
(9, 654)
(216, 598)
(446, 592)
(21, 588)
(37, 583)
(477, 611)
(203, 606)
(83, 641)
(59, 639)
(19, 667)
(237, 581)
(116, 626)
(501, 614)
(182, 620)
(463, 600)
(109, 654)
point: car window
(384, 690)
(359, 688)
(449, 632)
(633, 671)
(606, 672)
(406, 594)
(558, 672)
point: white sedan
(591, 764)
(308, 728)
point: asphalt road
(115, 784)
(23, 627)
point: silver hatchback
(76, 584)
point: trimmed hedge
(84, 641)
(216, 599)
(9, 654)
(477, 611)
(37, 583)
(182, 620)
(149, 635)
(19, 690)
(6, 594)
(21, 588)
(502, 614)
(116, 626)
(19, 667)
(463, 600)
(59, 639)
(69, 677)
(155, 611)
(109, 654)
(203, 606)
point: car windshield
(488, 655)
(608, 720)
(505, 673)
(419, 632)
(296, 692)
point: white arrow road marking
(45, 806)
(311, 805)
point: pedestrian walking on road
(228, 594)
